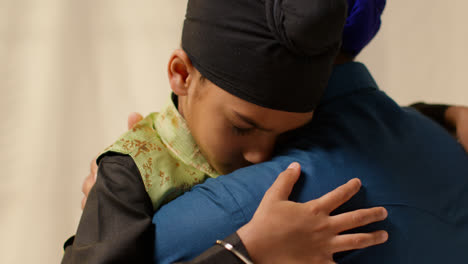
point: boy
(224, 116)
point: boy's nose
(256, 156)
(259, 151)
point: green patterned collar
(175, 133)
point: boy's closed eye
(241, 131)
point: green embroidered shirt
(166, 155)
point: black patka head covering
(273, 53)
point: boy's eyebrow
(251, 122)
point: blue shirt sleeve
(190, 224)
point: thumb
(283, 185)
(133, 119)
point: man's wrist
(436, 112)
(241, 256)
(247, 236)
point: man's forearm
(435, 112)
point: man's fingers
(350, 220)
(465, 145)
(88, 184)
(282, 187)
(133, 119)
(357, 241)
(463, 140)
(94, 168)
(339, 196)
(83, 202)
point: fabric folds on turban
(362, 24)
(273, 53)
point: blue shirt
(406, 162)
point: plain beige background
(71, 71)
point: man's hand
(282, 231)
(89, 181)
(133, 119)
(457, 116)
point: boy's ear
(180, 71)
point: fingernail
(293, 165)
(358, 181)
(384, 212)
(384, 236)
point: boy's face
(233, 133)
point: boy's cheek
(226, 155)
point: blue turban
(362, 24)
